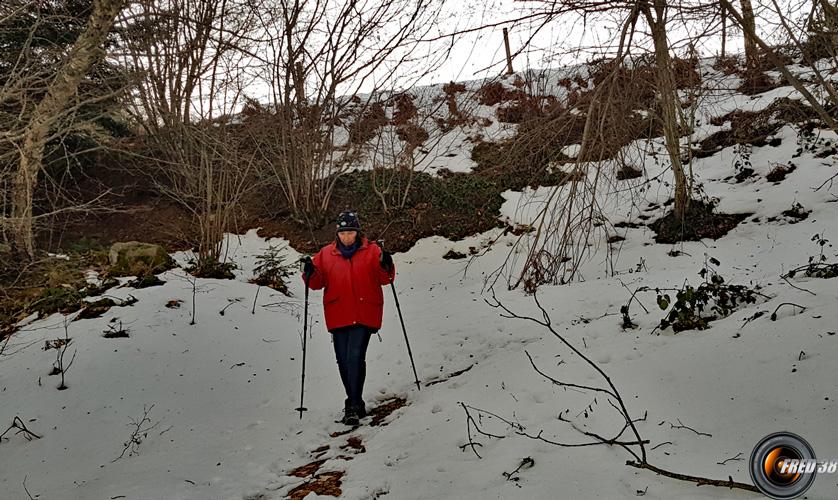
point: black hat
(348, 221)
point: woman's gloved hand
(308, 267)
(386, 260)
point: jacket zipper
(354, 293)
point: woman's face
(347, 237)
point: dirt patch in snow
(307, 469)
(701, 221)
(382, 411)
(779, 173)
(327, 483)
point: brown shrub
(367, 125)
(754, 127)
(755, 81)
(515, 113)
(453, 88)
(494, 93)
(637, 83)
(686, 72)
(405, 109)
(728, 65)
(412, 134)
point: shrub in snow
(695, 307)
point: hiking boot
(360, 410)
(350, 417)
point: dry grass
(754, 127)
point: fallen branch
(789, 283)
(6, 342)
(614, 399)
(27, 489)
(566, 384)
(731, 459)
(659, 445)
(525, 463)
(232, 301)
(756, 315)
(774, 314)
(17, 423)
(828, 181)
(449, 376)
(700, 481)
(682, 426)
(471, 442)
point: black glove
(308, 267)
(386, 260)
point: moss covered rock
(134, 258)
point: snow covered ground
(220, 394)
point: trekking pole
(401, 319)
(302, 408)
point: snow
(224, 390)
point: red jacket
(353, 293)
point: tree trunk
(668, 100)
(509, 69)
(751, 49)
(83, 53)
(724, 31)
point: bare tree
(321, 56)
(189, 58)
(54, 104)
(657, 18)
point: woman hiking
(352, 272)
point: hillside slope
(220, 394)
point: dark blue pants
(351, 350)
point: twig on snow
(735, 458)
(18, 424)
(682, 426)
(139, 433)
(774, 314)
